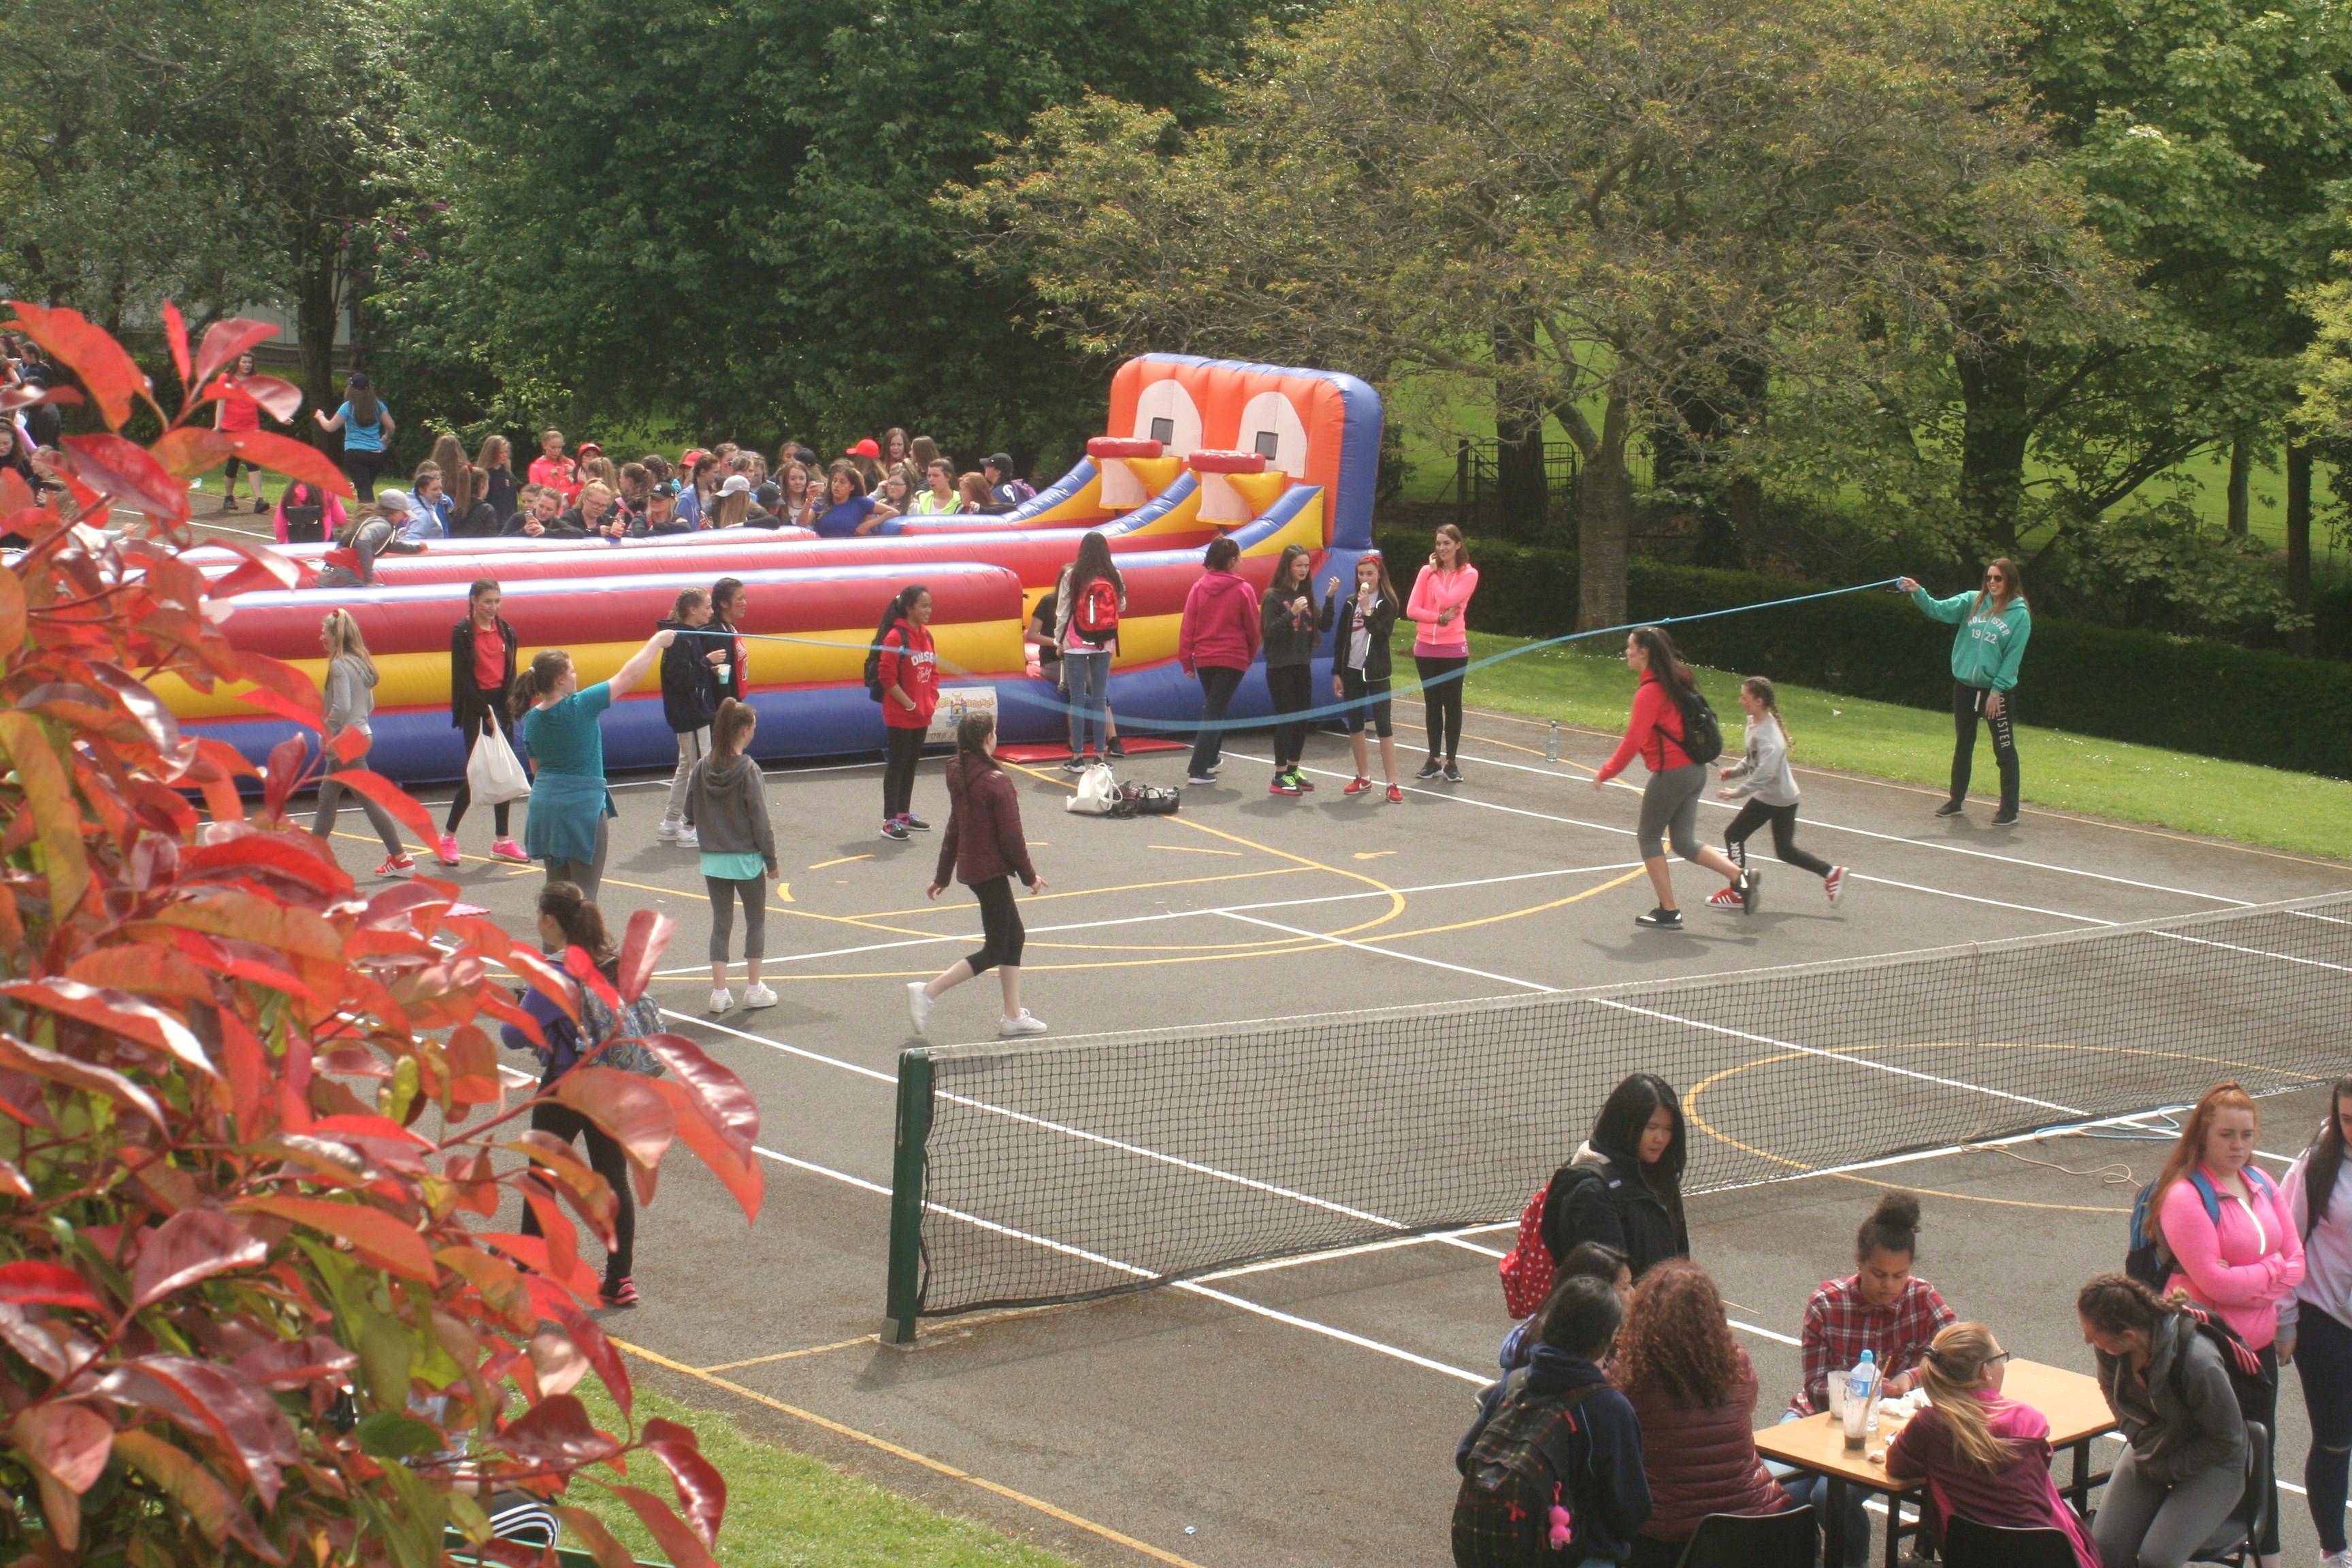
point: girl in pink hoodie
(1441, 645)
(1217, 641)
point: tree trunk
(318, 311)
(1519, 498)
(1995, 388)
(2241, 463)
(2298, 539)
(1604, 524)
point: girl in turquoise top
(569, 805)
(367, 426)
(1994, 626)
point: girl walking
(726, 805)
(985, 848)
(1087, 608)
(1360, 665)
(1994, 626)
(908, 671)
(351, 700)
(1287, 626)
(1670, 800)
(1441, 645)
(234, 414)
(1763, 779)
(2316, 1324)
(567, 829)
(1216, 640)
(367, 426)
(481, 681)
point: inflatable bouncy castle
(1192, 448)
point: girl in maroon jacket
(985, 847)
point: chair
(2234, 1542)
(1968, 1544)
(1754, 1541)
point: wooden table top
(2069, 1401)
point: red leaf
(291, 1363)
(191, 1246)
(350, 745)
(69, 1440)
(176, 332)
(578, 965)
(289, 763)
(641, 950)
(27, 1281)
(50, 793)
(29, 396)
(625, 1106)
(192, 449)
(600, 1543)
(282, 455)
(224, 341)
(28, 1058)
(283, 399)
(89, 351)
(742, 1174)
(374, 1235)
(545, 980)
(117, 1010)
(532, 1253)
(590, 1338)
(247, 1061)
(136, 697)
(556, 1433)
(671, 1533)
(211, 1400)
(281, 569)
(287, 708)
(562, 1241)
(702, 1490)
(122, 470)
(287, 854)
(393, 799)
(718, 1094)
(276, 675)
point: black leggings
(1000, 926)
(1441, 700)
(229, 470)
(723, 891)
(1967, 703)
(495, 703)
(903, 751)
(604, 1158)
(1291, 687)
(1754, 815)
(361, 467)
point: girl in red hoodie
(908, 669)
(1217, 641)
(984, 848)
(1670, 800)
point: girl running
(350, 702)
(481, 680)
(1770, 789)
(1441, 647)
(367, 426)
(908, 671)
(1994, 627)
(1085, 628)
(1287, 625)
(1670, 800)
(726, 804)
(569, 805)
(1360, 664)
(984, 848)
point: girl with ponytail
(727, 807)
(1982, 1453)
(569, 805)
(2316, 1325)
(1762, 780)
(984, 848)
(2185, 1469)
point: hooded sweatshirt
(1989, 646)
(728, 803)
(2178, 1423)
(1221, 628)
(1290, 639)
(1610, 1492)
(351, 695)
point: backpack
(2255, 1386)
(1097, 792)
(626, 1030)
(873, 663)
(1145, 800)
(1702, 732)
(1515, 1502)
(1096, 615)
(305, 524)
(1526, 1269)
(2147, 1259)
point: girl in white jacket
(1763, 779)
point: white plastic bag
(493, 775)
(1097, 791)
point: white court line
(1391, 952)
(1963, 898)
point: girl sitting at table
(2185, 1467)
(1984, 1456)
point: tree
(244, 1316)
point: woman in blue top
(1994, 626)
(367, 426)
(850, 510)
(569, 805)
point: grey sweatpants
(693, 745)
(2144, 1523)
(1670, 801)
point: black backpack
(1516, 1505)
(305, 524)
(1146, 800)
(874, 665)
(1702, 732)
(2255, 1386)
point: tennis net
(1033, 1172)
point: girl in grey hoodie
(1763, 780)
(351, 700)
(727, 807)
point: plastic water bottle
(1861, 1398)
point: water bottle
(1861, 1398)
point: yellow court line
(794, 1355)
(1091, 892)
(1317, 945)
(1515, 914)
(844, 860)
(779, 909)
(1192, 849)
(937, 1465)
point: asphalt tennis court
(1304, 1410)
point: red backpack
(1526, 1269)
(1096, 613)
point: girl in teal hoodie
(1994, 626)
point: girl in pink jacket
(2234, 1243)
(1441, 645)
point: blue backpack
(2148, 1260)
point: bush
(2191, 694)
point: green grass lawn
(2239, 800)
(785, 1510)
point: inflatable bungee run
(1194, 449)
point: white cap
(736, 485)
(392, 500)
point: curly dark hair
(1675, 1340)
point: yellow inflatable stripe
(1306, 528)
(1084, 507)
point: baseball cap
(736, 485)
(667, 490)
(866, 448)
(1001, 462)
(392, 500)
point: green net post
(905, 1291)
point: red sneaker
(1357, 785)
(1396, 795)
(396, 866)
(625, 1294)
(1282, 785)
(1724, 898)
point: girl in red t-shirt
(238, 415)
(908, 671)
(1670, 800)
(551, 469)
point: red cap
(587, 446)
(866, 448)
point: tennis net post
(905, 1296)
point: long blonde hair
(343, 639)
(1953, 1374)
(731, 729)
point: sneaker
(1357, 785)
(507, 849)
(2335, 1559)
(2005, 818)
(1429, 770)
(260, 507)
(1074, 764)
(1661, 920)
(668, 829)
(1453, 773)
(1118, 748)
(1282, 785)
(688, 839)
(229, 504)
(1724, 898)
(1298, 780)
(916, 822)
(918, 1008)
(447, 849)
(721, 999)
(1028, 1022)
(1396, 795)
(625, 1294)
(1950, 808)
(759, 995)
(1750, 888)
(396, 866)
(891, 829)
(1834, 885)
(1201, 781)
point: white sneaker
(759, 995)
(667, 831)
(688, 839)
(2335, 1559)
(1028, 1022)
(1834, 885)
(721, 1000)
(918, 1008)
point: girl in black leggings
(1287, 623)
(984, 848)
(1439, 609)
(1764, 781)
